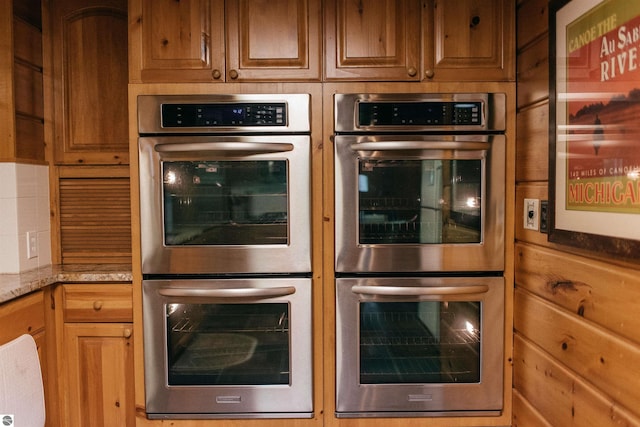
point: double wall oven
(419, 256)
(226, 255)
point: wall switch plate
(32, 244)
(531, 214)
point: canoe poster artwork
(602, 101)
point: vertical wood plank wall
(577, 328)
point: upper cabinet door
(176, 41)
(469, 40)
(273, 40)
(89, 57)
(372, 40)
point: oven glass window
(225, 202)
(419, 342)
(228, 344)
(420, 201)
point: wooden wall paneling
(591, 289)
(525, 415)
(532, 190)
(532, 17)
(594, 353)
(532, 145)
(561, 397)
(533, 72)
(27, 42)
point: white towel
(21, 389)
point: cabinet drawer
(24, 315)
(97, 303)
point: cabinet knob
(233, 74)
(126, 333)
(97, 305)
(412, 71)
(429, 74)
(216, 74)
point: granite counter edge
(16, 285)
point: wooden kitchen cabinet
(468, 40)
(217, 41)
(419, 40)
(88, 48)
(372, 40)
(21, 82)
(97, 388)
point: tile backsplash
(24, 208)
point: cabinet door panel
(273, 40)
(99, 374)
(177, 41)
(372, 39)
(90, 82)
(471, 40)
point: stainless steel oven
(225, 224)
(419, 182)
(419, 256)
(228, 348)
(219, 175)
(419, 346)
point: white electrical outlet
(531, 214)
(32, 244)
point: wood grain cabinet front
(468, 40)
(372, 40)
(419, 40)
(88, 49)
(96, 354)
(217, 41)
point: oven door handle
(420, 145)
(419, 291)
(243, 293)
(237, 147)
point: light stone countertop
(15, 285)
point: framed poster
(594, 132)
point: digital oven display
(419, 113)
(223, 115)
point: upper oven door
(232, 204)
(419, 203)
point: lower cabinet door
(98, 366)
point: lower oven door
(419, 346)
(229, 348)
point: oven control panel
(419, 113)
(206, 115)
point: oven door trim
(294, 400)
(397, 400)
(293, 257)
(353, 257)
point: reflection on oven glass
(228, 344)
(225, 202)
(419, 342)
(419, 201)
